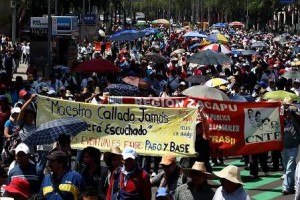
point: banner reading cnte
(150, 130)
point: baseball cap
(129, 152)
(15, 110)
(57, 155)
(22, 147)
(22, 93)
(182, 83)
(168, 159)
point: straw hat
(85, 90)
(231, 173)
(287, 101)
(114, 150)
(105, 94)
(198, 167)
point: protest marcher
(62, 182)
(89, 194)
(198, 187)
(171, 177)
(113, 159)
(91, 171)
(129, 181)
(291, 140)
(24, 168)
(231, 184)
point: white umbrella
(101, 33)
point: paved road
(264, 188)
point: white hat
(15, 110)
(22, 148)
(231, 173)
(129, 152)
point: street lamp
(247, 15)
(13, 6)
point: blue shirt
(70, 186)
(29, 173)
(11, 126)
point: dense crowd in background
(59, 172)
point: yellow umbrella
(295, 63)
(214, 82)
(205, 42)
(218, 38)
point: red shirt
(138, 182)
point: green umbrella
(291, 74)
(279, 95)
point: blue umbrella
(195, 34)
(194, 46)
(220, 25)
(243, 52)
(125, 35)
(49, 132)
(149, 31)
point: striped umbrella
(217, 47)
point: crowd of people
(59, 172)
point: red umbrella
(96, 65)
(136, 81)
(236, 23)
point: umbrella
(156, 58)
(194, 46)
(279, 95)
(217, 38)
(136, 81)
(205, 42)
(125, 35)
(177, 51)
(101, 33)
(217, 47)
(196, 79)
(291, 74)
(205, 92)
(122, 90)
(242, 52)
(96, 65)
(194, 34)
(258, 44)
(220, 25)
(295, 63)
(209, 57)
(236, 23)
(215, 82)
(49, 132)
(159, 22)
(238, 98)
(148, 31)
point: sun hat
(129, 152)
(15, 110)
(162, 192)
(198, 167)
(68, 93)
(18, 185)
(231, 173)
(114, 150)
(97, 90)
(287, 101)
(22, 147)
(168, 159)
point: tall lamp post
(247, 15)
(49, 45)
(13, 6)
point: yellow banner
(150, 130)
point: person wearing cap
(62, 182)
(231, 184)
(18, 189)
(24, 96)
(182, 86)
(291, 138)
(129, 181)
(163, 194)
(198, 187)
(24, 168)
(171, 177)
